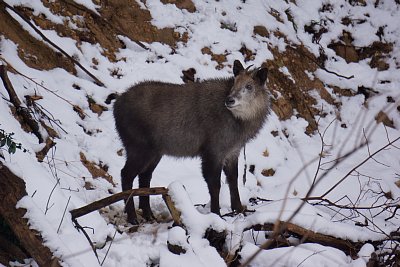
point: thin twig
(80, 228)
(55, 175)
(369, 152)
(62, 218)
(245, 166)
(330, 203)
(358, 165)
(309, 256)
(322, 67)
(280, 227)
(393, 214)
(102, 262)
(36, 83)
(97, 81)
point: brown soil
(261, 30)
(182, 4)
(119, 17)
(377, 51)
(295, 95)
(35, 53)
(219, 58)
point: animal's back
(172, 119)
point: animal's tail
(111, 97)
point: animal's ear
(261, 75)
(237, 67)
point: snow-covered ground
(58, 182)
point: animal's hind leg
(133, 166)
(144, 182)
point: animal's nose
(229, 102)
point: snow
(58, 182)
(88, 4)
(37, 8)
(303, 255)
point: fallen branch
(23, 112)
(76, 213)
(308, 236)
(97, 81)
(175, 213)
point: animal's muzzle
(230, 102)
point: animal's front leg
(231, 172)
(212, 174)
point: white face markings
(246, 98)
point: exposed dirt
(182, 4)
(219, 58)
(35, 53)
(134, 22)
(345, 49)
(294, 94)
(377, 52)
(118, 17)
(261, 30)
(125, 17)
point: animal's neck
(255, 112)
(251, 127)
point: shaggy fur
(155, 119)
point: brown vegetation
(96, 170)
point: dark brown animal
(212, 119)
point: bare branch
(80, 228)
(97, 81)
(76, 213)
(108, 249)
(62, 218)
(23, 112)
(360, 164)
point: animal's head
(248, 97)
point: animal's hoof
(249, 211)
(239, 209)
(244, 209)
(133, 220)
(149, 217)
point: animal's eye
(249, 87)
